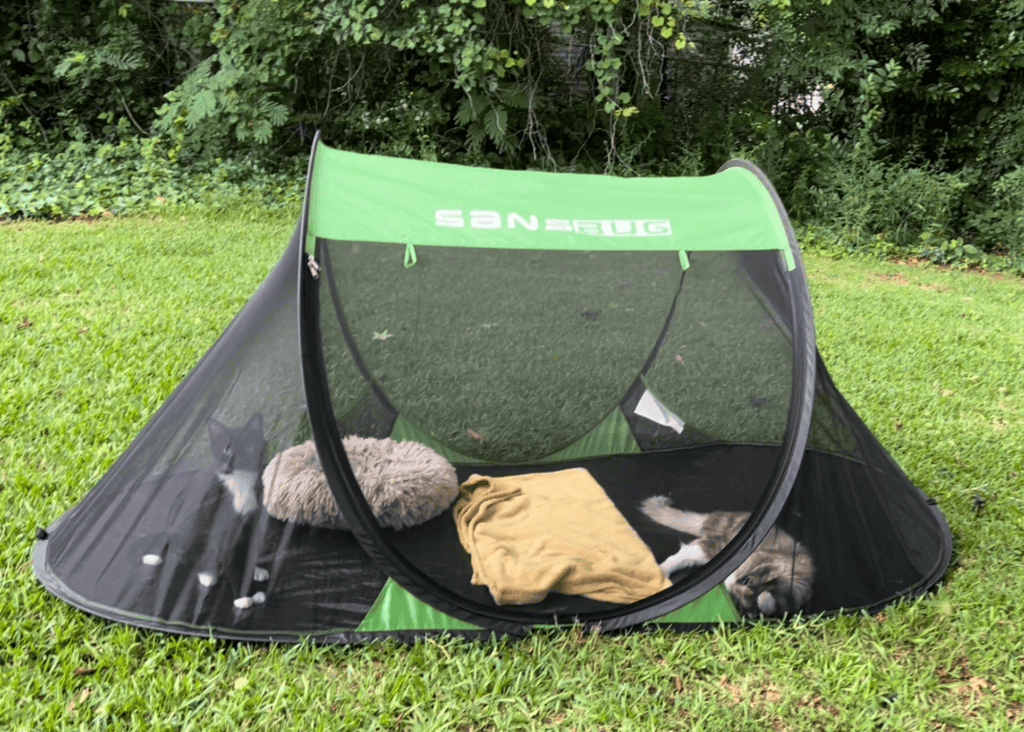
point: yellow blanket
(532, 534)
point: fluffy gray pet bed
(405, 483)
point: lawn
(100, 320)
(536, 360)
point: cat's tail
(659, 509)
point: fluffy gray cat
(775, 579)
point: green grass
(535, 361)
(99, 321)
(513, 359)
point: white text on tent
(456, 219)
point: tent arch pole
(379, 393)
(353, 505)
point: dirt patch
(971, 692)
(958, 670)
(818, 704)
(734, 691)
(895, 278)
(760, 694)
(922, 263)
(764, 698)
(1015, 713)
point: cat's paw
(244, 603)
(767, 604)
(655, 502)
(689, 555)
(671, 565)
(260, 574)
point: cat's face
(238, 448)
(760, 590)
(771, 583)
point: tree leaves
(475, 136)
(496, 123)
(467, 111)
(203, 105)
(488, 119)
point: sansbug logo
(457, 219)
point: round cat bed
(405, 483)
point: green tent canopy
(654, 332)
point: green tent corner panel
(713, 607)
(406, 430)
(611, 436)
(396, 609)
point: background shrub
(897, 127)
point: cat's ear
(217, 430)
(255, 423)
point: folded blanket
(532, 534)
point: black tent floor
(861, 559)
(690, 477)
(322, 581)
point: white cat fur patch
(689, 555)
(242, 486)
(766, 603)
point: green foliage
(857, 203)
(931, 84)
(486, 77)
(870, 199)
(1002, 222)
(903, 71)
(71, 70)
(131, 176)
(240, 92)
(899, 127)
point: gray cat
(775, 579)
(213, 517)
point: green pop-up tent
(656, 332)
